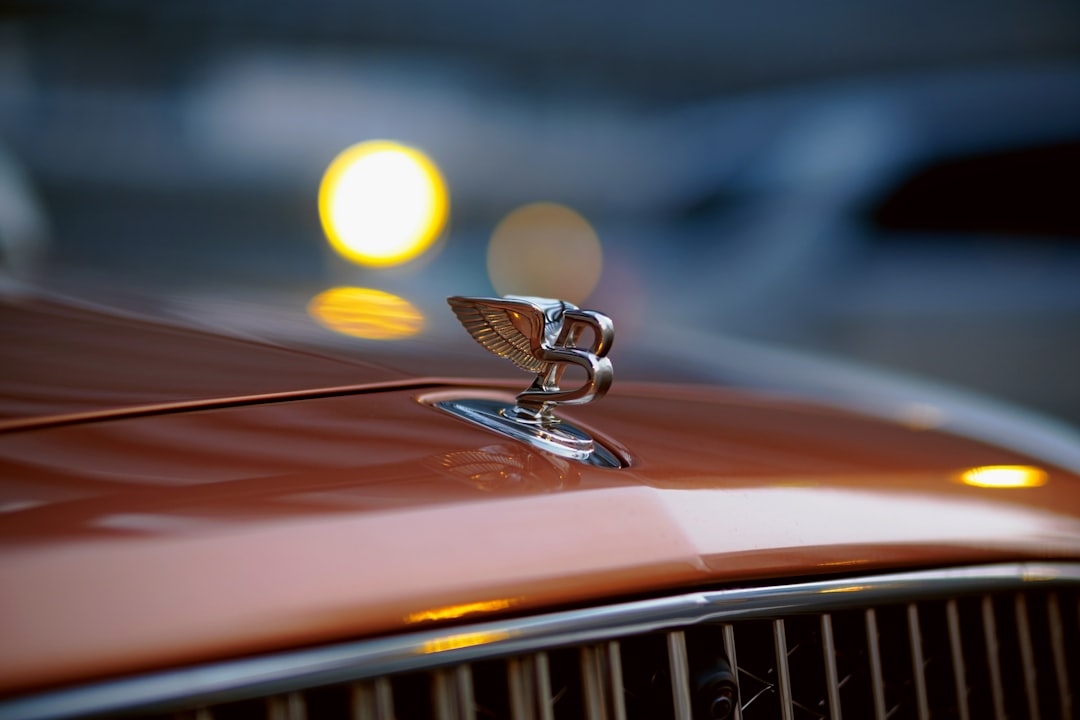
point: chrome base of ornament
(555, 436)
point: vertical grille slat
(732, 656)
(1027, 656)
(783, 678)
(529, 684)
(918, 664)
(615, 680)
(832, 681)
(874, 656)
(601, 668)
(680, 674)
(957, 651)
(993, 659)
(286, 707)
(452, 694)
(1057, 644)
(372, 700)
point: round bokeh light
(382, 203)
(546, 250)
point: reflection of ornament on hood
(509, 468)
(543, 337)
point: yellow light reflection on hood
(1004, 476)
(382, 203)
(366, 313)
(456, 611)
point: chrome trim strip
(345, 662)
(729, 649)
(957, 648)
(918, 668)
(992, 658)
(1057, 643)
(1027, 656)
(874, 653)
(832, 680)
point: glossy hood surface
(134, 538)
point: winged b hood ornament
(543, 337)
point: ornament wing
(513, 329)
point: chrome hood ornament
(540, 336)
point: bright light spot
(457, 611)
(1004, 476)
(365, 313)
(382, 203)
(545, 250)
(464, 640)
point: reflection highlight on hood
(508, 467)
(366, 313)
(1004, 477)
(453, 612)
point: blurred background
(893, 183)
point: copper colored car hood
(218, 526)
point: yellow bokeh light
(546, 250)
(366, 313)
(382, 203)
(1004, 476)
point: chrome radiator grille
(992, 642)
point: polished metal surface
(1057, 640)
(783, 676)
(956, 651)
(918, 662)
(556, 436)
(832, 681)
(541, 336)
(676, 617)
(993, 656)
(680, 674)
